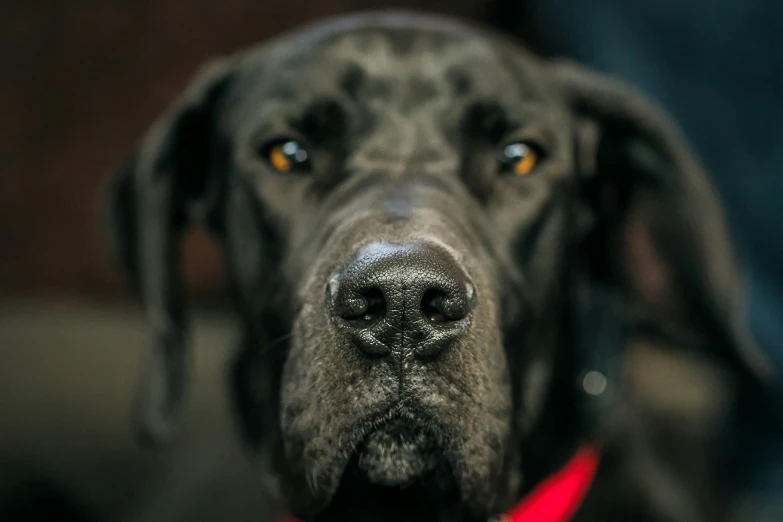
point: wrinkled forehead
(399, 69)
(412, 66)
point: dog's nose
(410, 297)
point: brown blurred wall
(80, 82)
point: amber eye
(521, 158)
(287, 156)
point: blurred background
(81, 80)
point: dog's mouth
(396, 454)
(398, 472)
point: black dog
(431, 236)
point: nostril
(376, 306)
(372, 309)
(432, 306)
(439, 308)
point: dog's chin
(397, 472)
(396, 454)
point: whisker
(277, 341)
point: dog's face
(406, 205)
(401, 230)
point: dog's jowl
(417, 216)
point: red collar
(558, 497)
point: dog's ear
(658, 233)
(169, 183)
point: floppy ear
(165, 186)
(659, 234)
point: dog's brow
(322, 119)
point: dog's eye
(521, 158)
(287, 156)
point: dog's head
(409, 208)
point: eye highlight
(521, 158)
(287, 155)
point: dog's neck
(358, 501)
